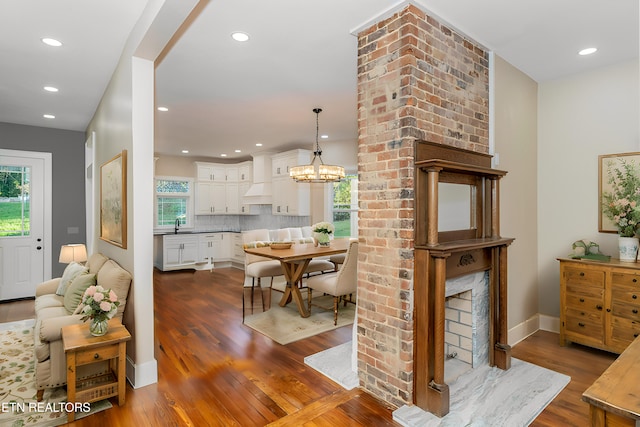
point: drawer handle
(581, 299)
(582, 273)
(599, 307)
(634, 296)
(581, 324)
(635, 335)
(96, 356)
(608, 310)
(634, 311)
(634, 280)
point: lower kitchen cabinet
(176, 251)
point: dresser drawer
(626, 310)
(624, 331)
(579, 276)
(583, 325)
(626, 295)
(97, 354)
(626, 279)
(594, 316)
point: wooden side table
(613, 398)
(82, 348)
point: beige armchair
(340, 284)
(54, 311)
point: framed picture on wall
(608, 165)
(113, 200)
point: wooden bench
(614, 398)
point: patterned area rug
(284, 325)
(18, 405)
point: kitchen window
(174, 200)
(345, 207)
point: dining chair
(256, 268)
(340, 284)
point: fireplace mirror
(456, 207)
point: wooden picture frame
(606, 161)
(113, 200)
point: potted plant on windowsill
(622, 206)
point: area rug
(284, 325)
(18, 405)
(488, 396)
(335, 363)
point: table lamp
(73, 252)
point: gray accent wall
(68, 199)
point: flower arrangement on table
(100, 305)
(322, 231)
(622, 203)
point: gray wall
(68, 200)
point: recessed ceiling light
(324, 136)
(50, 89)
(51, 42)
(223, 155)
(163, 109)
(588, 51)
(239, 36)
(259, 144)
(48, 116)
(238, 151)
(185, 151)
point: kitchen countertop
(171, 233)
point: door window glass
(14, 201)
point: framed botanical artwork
(609, 165)
(113, 200)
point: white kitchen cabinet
(211, 172)
(245, 172)
(245, 209)
(232, 199)
(211, 198)
(238, 249)
(290, 197)
(176, 251)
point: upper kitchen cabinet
(211, 172)
(290, 197)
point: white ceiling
(223, 95)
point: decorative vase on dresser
(628, 247)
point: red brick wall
(417, 79)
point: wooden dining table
(294, 262)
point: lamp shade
(73, 252)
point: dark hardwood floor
(214, 371)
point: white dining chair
(340, 284)
(257, 268)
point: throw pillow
(72, 270)
(75, 290)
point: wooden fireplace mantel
(443, 255)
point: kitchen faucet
(177, 225)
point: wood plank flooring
(214, 371)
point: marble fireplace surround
(477, 284)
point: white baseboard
(531, 325)
(143, 374)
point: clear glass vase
(98, 327)
(322, 239)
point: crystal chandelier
(317, 172)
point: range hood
(260, 191)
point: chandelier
(317, 171)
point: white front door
(25, 256)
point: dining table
(294, 261)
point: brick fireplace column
(417, 79)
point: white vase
(628, 247)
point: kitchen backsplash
(265, 219)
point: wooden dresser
(599, 303)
